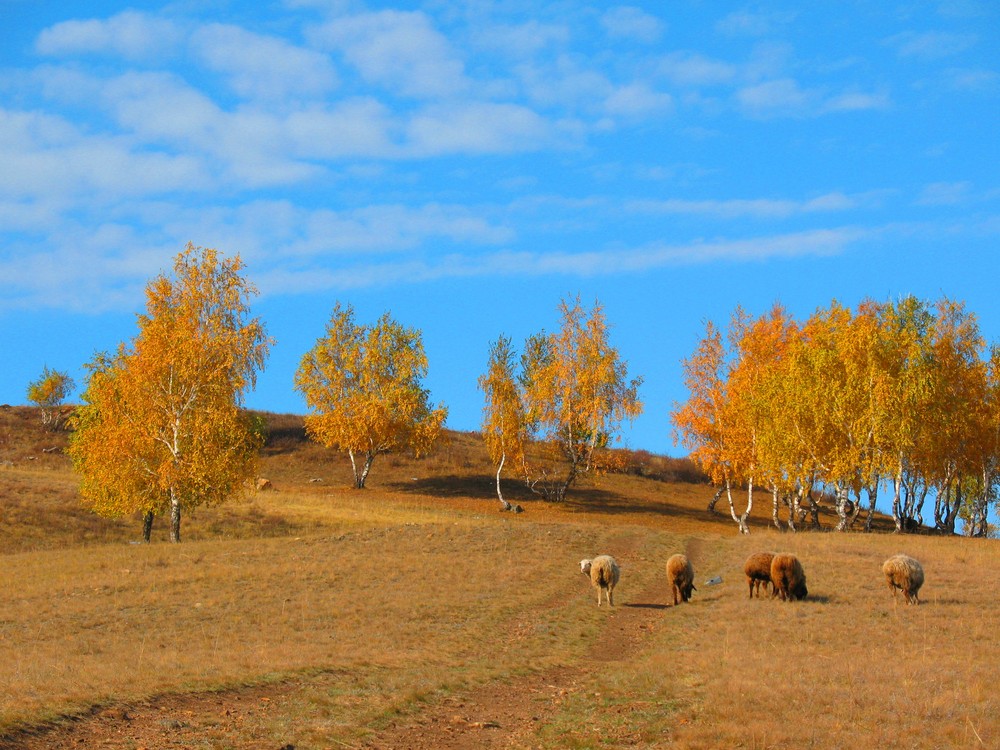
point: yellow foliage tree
(363, 385)
(504, 424)
(577, 395)
(48, 393)
(161, 427)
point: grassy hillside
(415, 614)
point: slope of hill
(415, 614)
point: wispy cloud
(629, 22)
(399, 50)
(760, 208)
(930, 45)
(130, 34)
(259, 66)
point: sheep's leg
(611, 601)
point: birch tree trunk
(841, 506)
(741, 520)
(175, 516)
(504, 503)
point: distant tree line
(901, 395)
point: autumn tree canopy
(570, 399)
(161, 427)
(900, 394)
(363, 385)
(48, 393)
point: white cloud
(260, 66)
(972, 80)
(750, 23)
(519, 41)
(401, 51)
(776, 98)
(133, 35)
(856, 101)
(564, 83)
(945, 194)
(45, 157)
(637, 100)
(351, 128)
(755, 208)
(931, 45)
(692, 69)
(477, 127)
(628, 22)
(818, 242)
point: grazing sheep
(758, 571)
(787, 577)
(604, 574)
(906, 574)
(681, 577)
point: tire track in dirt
(508, 713)
(505, 713)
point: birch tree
(161, 428)
(363, 385)
(577, 396)
(48, 393)
(504, 424)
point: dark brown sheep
(758, 571)
(788, 577)
(904, 573)
(681, 577)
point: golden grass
(378, 603)
(845, 668)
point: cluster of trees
(553, 416)
(162, 430)
(902, 395)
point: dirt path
(502, 714)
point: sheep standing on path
(758, 571)
(681, 577)
(604, 574)
(788, 577)
(906, 574)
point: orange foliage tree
(48, 393)
(576, 394)
(894, 393)
(364, 387)
(161, 427)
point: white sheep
(906, 574)
(604, 574)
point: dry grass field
(413, 614)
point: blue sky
(468, 165)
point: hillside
(414, 614)
(41, 507)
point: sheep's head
(585, 567)
(800, 591)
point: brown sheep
(758, 571)
(788, 577)
(681, 577)
(906, 574)
(604, 574)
